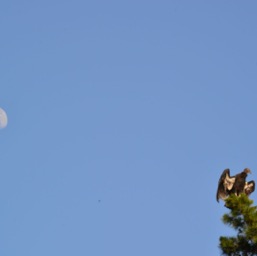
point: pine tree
(243, 218)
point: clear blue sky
(122, 116)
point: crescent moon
(3, 119)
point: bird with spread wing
(234, 184)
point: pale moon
(3, 119)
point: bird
(237, 184)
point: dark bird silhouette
(234, 184)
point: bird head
(247, 170)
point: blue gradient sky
(122, 116)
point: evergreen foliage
(243, 218)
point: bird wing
(229, 181)
(225, 185)
(249, 187)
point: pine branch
(243, 218)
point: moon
(3, 119)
